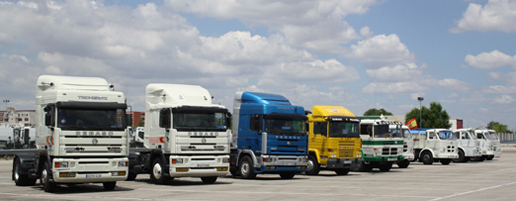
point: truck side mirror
(49, 115)
(164, 118)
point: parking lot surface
(487, 180)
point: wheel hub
(157, 171)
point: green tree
(498, 127)
(435, 117)
(376, 112)
(141, 123)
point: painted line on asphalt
(286, 193)
(473, 191)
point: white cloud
(296, 20)
(504, 99)
(490, 60)
(497, 15)
(382, 50)
(329, 71)
(499, 89)
(401, 72)
(393, 87)
(366, 32)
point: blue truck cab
(269, 136)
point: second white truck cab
(408, 145)
(185, 135)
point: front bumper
(198, 166)
(90, 170)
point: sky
(357, 54)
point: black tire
(287, 175)
(313, 166)
(109, 186)
(342, 171)
(385, 167)
(489, 158)
(446, 161)
(427, 158)
(157, 170)
(21, 179)
(48, 186)
(245, 168)
(233, 171)
(209, 180)
(462, 157)
(131, 176)
(362, 167)
(403, 164)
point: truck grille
(346, 149)
(392, 151)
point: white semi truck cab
(435, 145)
(489, 143)
(81, 134)
(468, 145)
(185, 135)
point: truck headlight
(123, 163)
(359, 155)
(334, 155)
(63, 164)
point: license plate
(347, 162)
(93, 176)
(203, 165)
(392, 159)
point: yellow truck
(334, 140)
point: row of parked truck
(82, 137)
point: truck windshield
(491, 136)
(88, 119)
(446, 135)
(200, 121)
(344, 129)
(384, 131)
(396, 129)
(285, 126)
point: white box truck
(81, 134)
(489, 143)
(185, 135)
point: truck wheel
(48, 185)
(131, 176)
(385, 167)
(403, 164)
(157, 172)
(446, 161)
(342, 171)
(109, 186)
(362, 167)
(233, 171)
(313, 166)
(19, 179)
(489, 158)
(427, 158)
(246, 168)
(287, 175)
(209, 180)
(461, 158)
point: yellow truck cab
(334, 140)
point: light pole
(420, 99)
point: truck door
(319, 138)
(432, 141)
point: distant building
(135, 118)
(13, 117)
(456, 124)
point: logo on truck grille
(94, 141)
